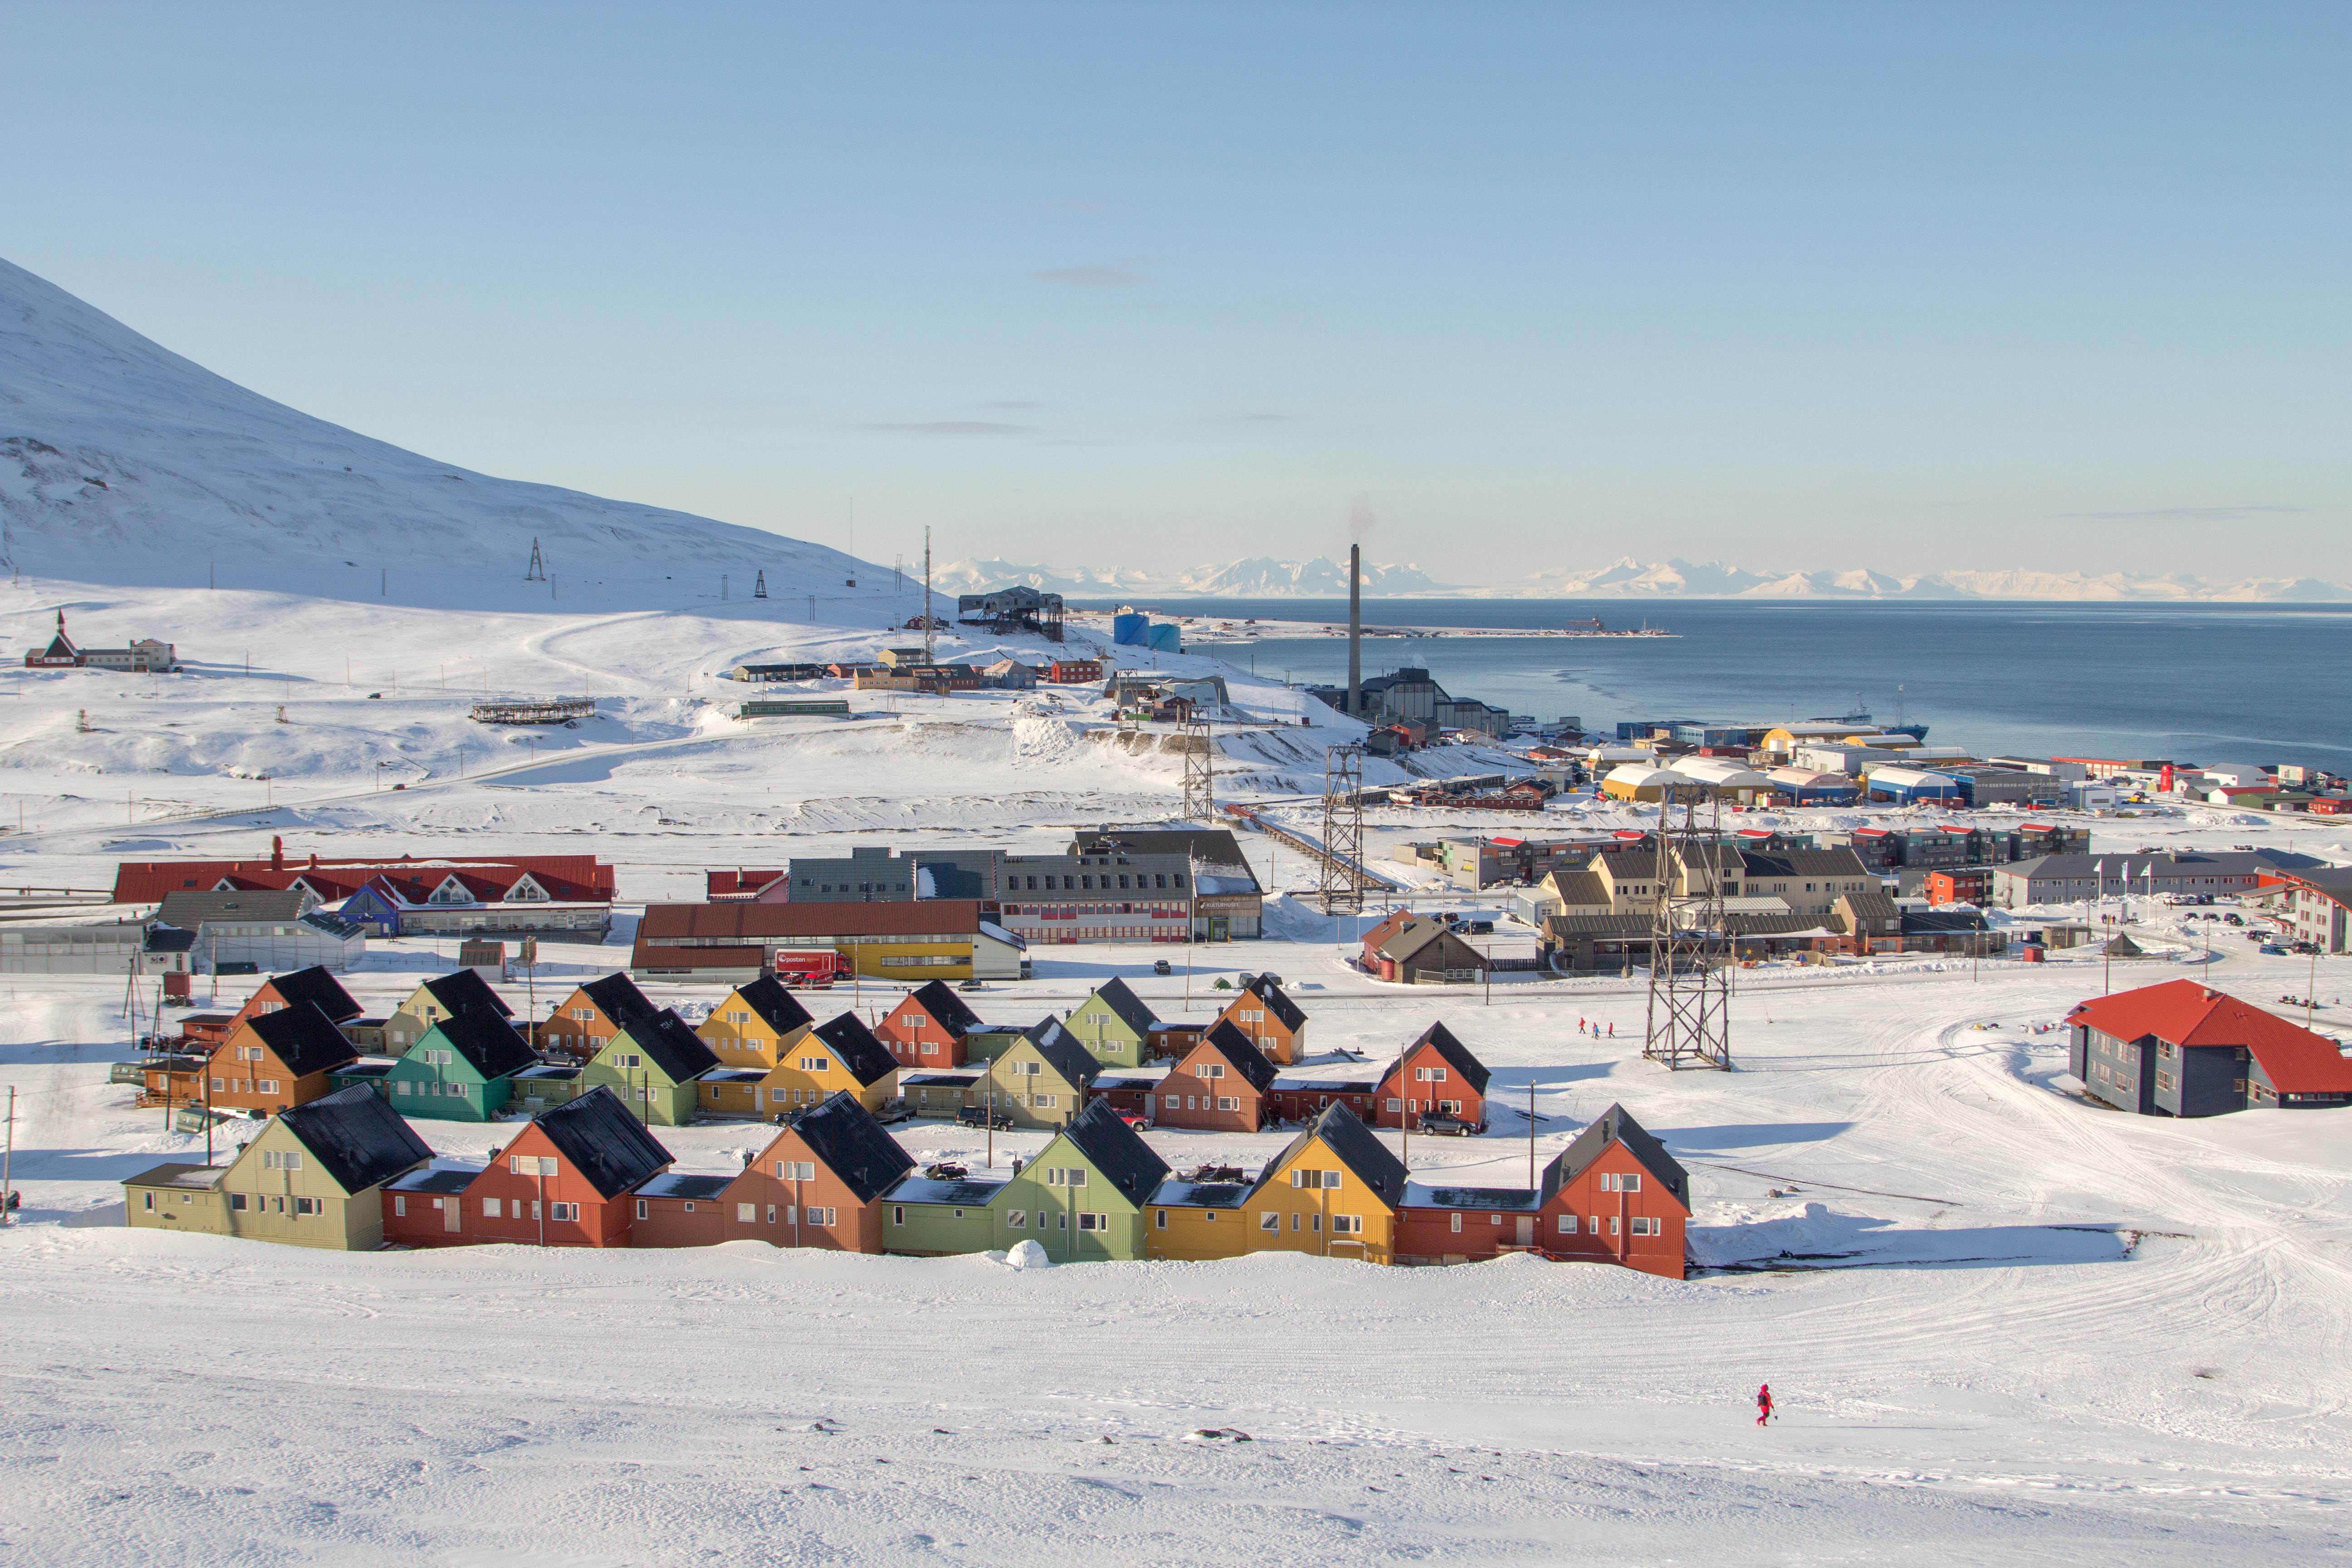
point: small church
(143, 657)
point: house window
(237, 1201)
(491, 1208)
(1229, 1103)
(399, 1205)
(1071, 1176)
(898, 1214)
(824, 1217)
(280, 1159)
(1269, 1221)
(1592, 1225)
(1043, 1101)
(303, 1205)
(795, 1171)
(1209, 1070)
(563, 1211)
(151, 1203)
(1094, 1222)
(265, 1086)
(1172, 1101)
(1647, 1226)
(1396, 1105)
(1347, 1224)
(747, 1214)
(1429, 1075)
(642, 1208)
(1628, 1183)
(1566, 1224)
(1458, 1225)
(1016, 1220)
(1161, 1219)
(532, 1164)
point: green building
(1043, 1080)
(1083, 1197)
(1114, 1025)
(652, 1064)
(935, 1216)
(459, 1069)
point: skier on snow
(1763, 1404)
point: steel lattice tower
(1341, 882)
(1690, 939)
(1200, 770)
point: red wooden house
(1225, 1084)
(1303, 1096)
(1074, 671)
(818, 1183)
(1435, 1075)
(1613, 1195)
(1370, 956)
(569, 1179)
(1271, 1021)
(927, 1029)
(585, 1022)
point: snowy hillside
(122, 463)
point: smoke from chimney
(1360, 519)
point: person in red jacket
(1763, 1404)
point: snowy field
(2004, 1326)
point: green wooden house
(1114, 1025)
(460, 1069)
(931, 1216)
(652, 1064)
(1083, 1197)
(1043, 1080)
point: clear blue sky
(1904, 285)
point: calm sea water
(2212, 683)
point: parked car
(970, 986)
(1452, 1126)
(1160, 966)
(1135, 1119)
(979, 1116)
(2276, 947)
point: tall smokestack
(1356, 631)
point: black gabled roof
(1280, 1005)
(465, 991)
(489, 1043)
(304, 1039)
(768, 996)
(951, 1012)
(1246, 1057)
(1113, 1149)
(1129, 1007)
(1354, 1145)
(596, 1136)
(866, 1058)
(677, 1050)
(315, 984)
(1457, 1057)
(1616, 1125)
(356, 1137)
(848, 1141)
(617, 997)
(1062, 1051)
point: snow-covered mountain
(1627, 579)
(1261, 578)
(122, 463)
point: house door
(1527, 1230)
(449, 1213)
(1221, 929)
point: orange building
(818, 1183)
(1269, 1020)
(927, 1029)
(276, 1059)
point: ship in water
(1593, 628)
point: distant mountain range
(1264, 578)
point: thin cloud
(1012, 402)
(1255, 419)
(2186, 514)
(1096, 276)
(957, 427)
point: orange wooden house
(315, 985)
(1225, 1084)
(1269, 1020)
(276, 1059)
(818, 1183)
(585, 1022)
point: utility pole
(926, 595)
(1531, 1130)
(7, 1163)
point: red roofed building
(446, 879)
(2183, 1049)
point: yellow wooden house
(1198, 1221)
(832, 1058)
(760, 1027)
(1333, 1192)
